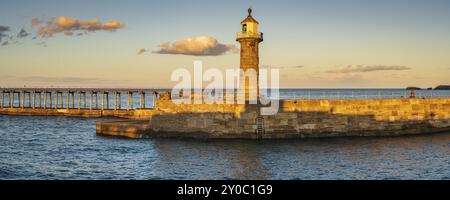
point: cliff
(442, 87)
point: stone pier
(297, 118)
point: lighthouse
(249, 38)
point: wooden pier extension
(79, 102)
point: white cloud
(370, 68)
(68, 25)
(196, 46)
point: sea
(42, 148)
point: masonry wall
(307, 119)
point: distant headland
(442, 87)
(439, 87)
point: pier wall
(141, 114)
(296, 119)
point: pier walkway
(129, 103)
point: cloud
(196, 46)
(297, 67)
(370, 68)
(3, 30)
(141, 51)
(112, 25)
(23, 33)
(6, 39)
(285, 67)
(45, 79)
(69, 25)
(35, 21)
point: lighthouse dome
(249, 18)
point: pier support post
(61, 100)
(45, 99)
(84, 97)
(56, 100)
(39, 99)
(51, 99)
(34, 100)
(22, 102)
(107, 100)
(103, 99)
(131, 101)
(120, 100)
(90, 101)
(96, 100)
(29, 99)
(128, 100)
(11, 99)
(142, 100)
(115, 100)
(73, 99)
(67, 99)
(79, 99)
(154, 97)
(3, 98)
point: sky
(139, 43)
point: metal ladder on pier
(259, 127)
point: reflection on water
(67, 148)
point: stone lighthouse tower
(249, 38)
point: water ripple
(67, 148)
